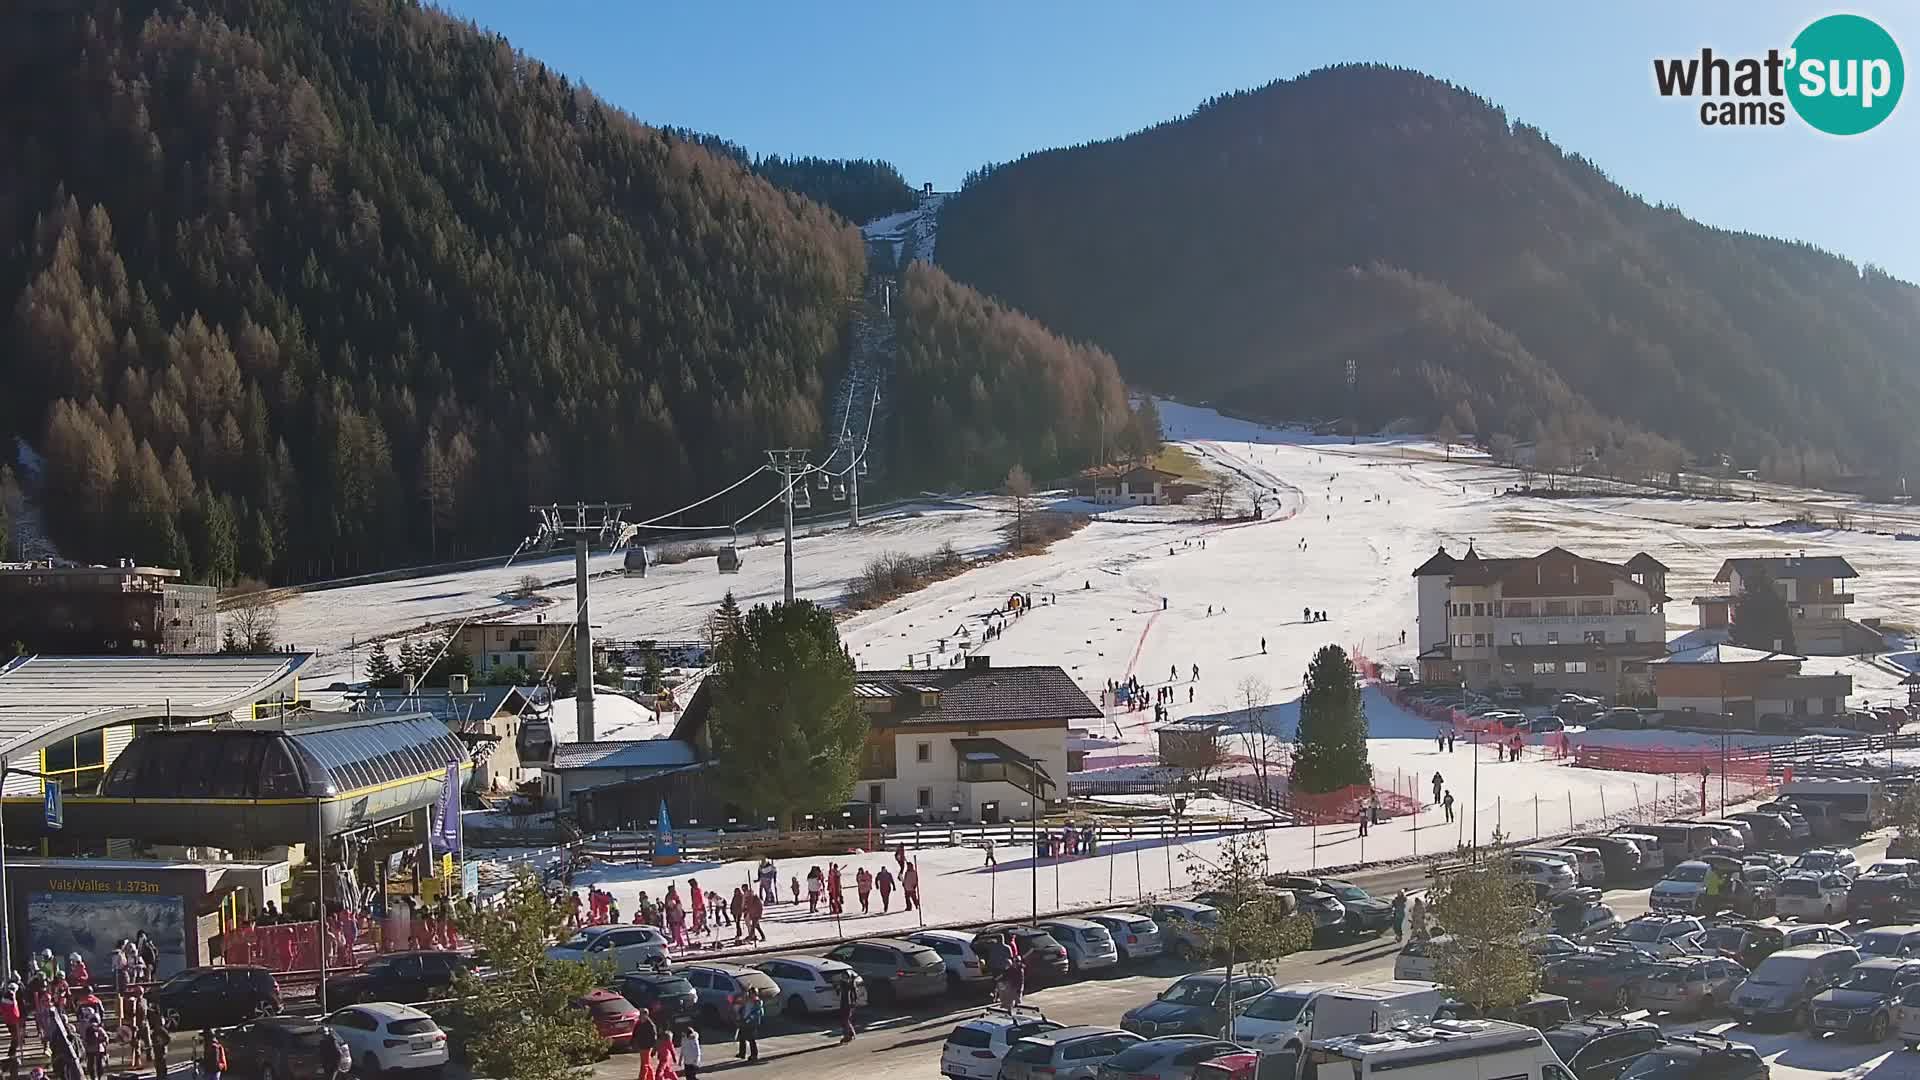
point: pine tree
(1331, 746)
(724, 621)
(381, 673)
(787, 734)
(1761, 619)
(410, 659)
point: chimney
(456, 684)
(979, 662)
(406, 683)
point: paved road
(907, 1046)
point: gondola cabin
(728, 560)
(636, 561)
(535, 740)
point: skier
(1263, 646)
(698, 898)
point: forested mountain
(297, 289)
(858, 189)
(1465, 265)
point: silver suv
(1073, 1053)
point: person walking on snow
(885, 883)
(698, 902)
(1196, 673)
(794, 882)
(1438, 785)
(1448, 803)
(1263, 646)
(676, 916)
(989, 862)
(910, 885)
(863, 884)
(900, 857)
(816, 883)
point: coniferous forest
(296, 290)
(1472, 272)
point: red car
(614, 1017)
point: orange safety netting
(1671, 761)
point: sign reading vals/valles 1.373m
(1841, 75)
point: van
(1678, 841)
(1652, 856)
(1858, 805)
(1704, 835)
(1374, 1007)
(1440, 1050)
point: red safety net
(1672, 761)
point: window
(1513, 638)
(1545, 667)
(1575, 667)
(1593, 607)
(924, 798)
(1479, 641)
(1460, 640)
(876, 794)
(923, 752)
(1630, 636)
(1519, 609)
(1626, 607)
(1508, 670)
(1553, 637)
(1599, 665)
(1559, 607)
(1479, 610)
(1594, 637)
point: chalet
(1131, 484)
(1745, 684)
(1811, 586)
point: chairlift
(823, 481)
(801, 499)
(839, 493)
(861, 468)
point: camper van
(1440, 1050)
(1859, 805)
(1377, 1006)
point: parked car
(966, 969)
(203, 997)
(1588, 867)
(382, 1036)
(1624, 717)
(1603, 977)
(1889, 941)
(1238, 1065)
(622, 948)
(1089, 945)
(1690, 985)
(1361, 911)
(1548, 876)
(1826, 860)
(1653, 857)
(1659, 935)
(1622, 857)
(1810, 896)
(1879, 899)
(810, 984)
(1782, 987)
(1862, 1004)
(1182, 926)
(414, 975)
(1282, 1018)
(1046, 959)
(1540, 1012)
(613, 1016)
(1069, 1053)
(1696, 1054)
(1892, 868)
(1541, 725)
(1194, 1005)
(1769, 830)
(1601, 1048)
(895, 969)
(1173, 1057)
(1135, 936)
(1583, 919)
(722, 990)
(291, 1046)
(667, 994)
(1799, 829)
(975, 1047)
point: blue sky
(940, 88)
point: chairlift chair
(801, 499)
(823, 481)
(839, 493)
(861, 468)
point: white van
(1375, 1007)
(1440, 1050)
(1279, 1020)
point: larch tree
(1330, 749)
(787, 734)
(1019, 486)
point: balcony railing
(1001, 772)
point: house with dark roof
(1130, 484)
(1812, 587)
(1746, 684)
(1555, 621)
(973, 743)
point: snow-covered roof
(1723, 653)
(624, 754)
(45, 698)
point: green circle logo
(1846, 76)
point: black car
(1366, 913)
(1603, 977)
(405, 977)
(1194, 1005)
(202, 997)
(1602, 1048)
(1699, 1055)
(1770, 830)
(1879, 899)
(1045, 958)
(671, 997)
(1862, 1005)
(1622, 857)
(284, 1048)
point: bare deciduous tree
(250, 620)
(1019, 485)
(1192, 756)
(1258, 738)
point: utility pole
(1353, 421)
(791, 466)
(581, 522)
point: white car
(1135, 937)
(1089, 945)
(1812, 896)
(1282, 1018)
(974, 1050)
(808, 984)
(1548, 875)
(382, 1035)
(1416, 958)
(965, 968)
(624, 947)
(1588, 867)
(1827, 859)
(1652, 855)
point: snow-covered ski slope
(1367, 514)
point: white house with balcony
(1554, 621)
(1814, 588)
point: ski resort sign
(1842, 75)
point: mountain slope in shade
(1465, 265)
